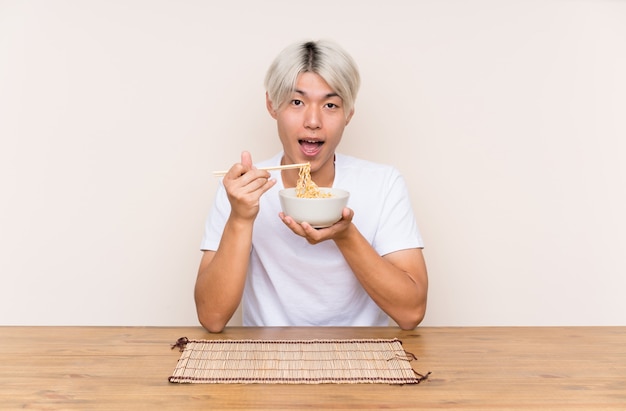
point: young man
(362, 270)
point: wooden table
(497, 368)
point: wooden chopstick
(285, 167)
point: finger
(255, 180)
(347, 214)
(269, 183)
(241, 176)
(246, 160)
(291, 223)
(310, 231)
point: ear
(349, 117)
(270, 106)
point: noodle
(305, 187)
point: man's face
(311, 123)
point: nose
(312, 118)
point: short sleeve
(216, 220)
(397, 229)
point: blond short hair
(324, 58)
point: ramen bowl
(319, 212)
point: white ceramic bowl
(319, 212)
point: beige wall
(506, 117)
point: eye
(332, 105)
(296, 102)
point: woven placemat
(294, 362)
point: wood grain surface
(482, 368)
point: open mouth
(310, 147)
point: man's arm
(397, 282)
(222, 273)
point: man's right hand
(245, 184)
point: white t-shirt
(293, 283)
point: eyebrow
(327, 95)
